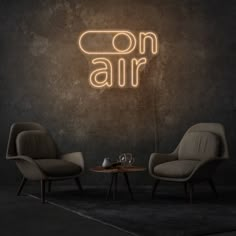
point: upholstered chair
(37, 157)
(195, 159)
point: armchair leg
(23, 181)
(190, 187)
(155, 187)
(186, 189)
(212, 185)
(49, 186)
(43, 191)
(77, 181)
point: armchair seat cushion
(58, 168)
(175, 169)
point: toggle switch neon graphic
(104, 46)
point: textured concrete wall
(44, 77)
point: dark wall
(44, 77)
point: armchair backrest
(36, 144)
(32, 139)
(206, 139)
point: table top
(118, 169)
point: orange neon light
(128, 34)
(135, 65)
(103, 77)
(107, 71)
(121, 72)
(142, 42)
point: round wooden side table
(114, 171)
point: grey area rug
(168, 214)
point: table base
(112, 191)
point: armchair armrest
(28, 167)
(21, 157)
(74, 157)
(205, 168)
(159, 158)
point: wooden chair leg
(77, 181)
(49, 186)
(212, 185)
(23, 181)
(43, 191)
(155, 187)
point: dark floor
(27, 216)
(23, 216)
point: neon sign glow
(103, 76)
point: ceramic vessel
(106, 162)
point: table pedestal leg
(110, 187)
(128, 185)
(113, 186)
(116, 181)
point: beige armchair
(37, 157)
(201, 150)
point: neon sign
(103, 45)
